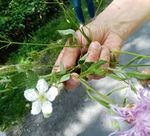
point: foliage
(19, 10)
(46, 34)
(20, 17)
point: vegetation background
(28, 37)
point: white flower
(41, 98)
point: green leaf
(97, 94)
(92, 68)
(133, 88)
(124, 102)
(98, 71)
(98, 64)
(86, 66)
(138, 75)
(65, 78)
(67, 32)
(116, 77)
(93, 65)
(102, 102)
(113, 90)
(62, 68)
(31, 79)
(83, 58)
(130, 62)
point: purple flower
(137, 115)
(144, 94)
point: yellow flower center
(42, 98)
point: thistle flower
(144, 94)
(137, 115)
(41, 98)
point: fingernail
(95, 45)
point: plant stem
(133, 54)
(102, 96)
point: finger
(73, 82)
(93, 55)
(93, 52)
(69, 60)
(58, 61)
(68, 57)
(105, 55)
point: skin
(108, 31)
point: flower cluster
(41, 98)
(137, 115)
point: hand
(103, 41)
(107, 33)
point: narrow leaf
(62, 68)
(65, 78)
(138, 75)
(83, 57)
(67, 32)
(131, 61)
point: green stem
(65, 12)
(130, 62)
(131, 53)
(97, 99)
(102, 96)
(135, 65)
(14, 68)
(21, 43)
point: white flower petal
(30, 94)
(42, 86)
(36, 108)
(52, 93)
(47, 109)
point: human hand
(107, 33)
(99, 49)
